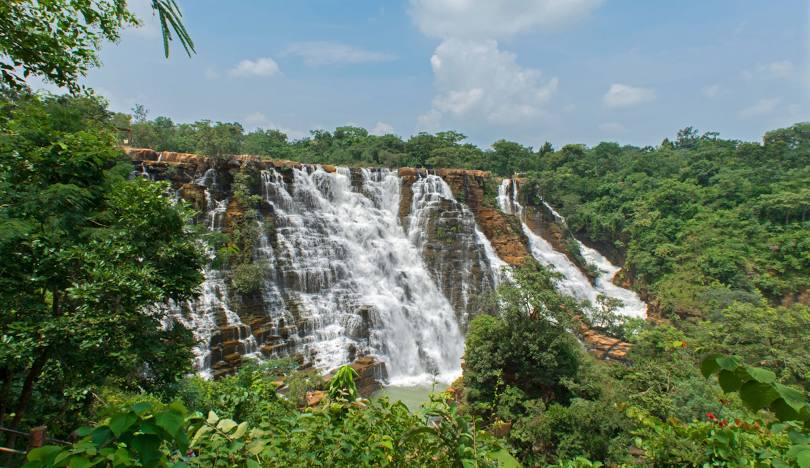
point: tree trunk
(28, 387)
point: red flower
(723, 423)
(711, 416)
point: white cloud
(477, 81)
(712, 91)
(762, 107)
(381, 128)
(264, 66)
(781, 69)
(612, 128)
(258, 120)
(430, 120)
(211, 74)
(494, 19)
(317, 53)
(621, 95)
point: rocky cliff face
(451, 238)
(324, 272)
(478, 190)
(304, 268)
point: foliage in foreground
(86, 253)
(341, 432)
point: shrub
(248, 278)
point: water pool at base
(414, 396)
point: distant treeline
(350, 146)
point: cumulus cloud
(475, 79)
(495, 19)
(381, 128)
(622, 95)
(264, 66)
(761, 107)
(318, 53)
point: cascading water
(347, 269)
(573, 281)
(357, 281)
(469, 265)
(209, 314)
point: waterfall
(573, 282)
(469, 264)
(357, 281)
(214, 324)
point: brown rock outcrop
(370, 375)
(194, 194)
(504, 235)
(606, 347)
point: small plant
(342, 387)
(248, 278)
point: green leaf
(729, 381)
(504, 459)
(757, 395)
(792, 397)
(200, 432)
(170, 421)
(44, 453)
(226, 425)
(256, 447)
(386, 442)
(800, 453)
(148, 448)
(240, 430)
(119, 423)
(84, 431)
(141, 408)
(727, 363)
(178, 407)
(761, 375)
(78, 462)
(101, 435)
(783, 411)
(212, 418)
(803, 459)
(251, 463)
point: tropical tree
(59, 40)
(86, 253)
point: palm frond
(170, 19)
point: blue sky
(576, 71)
